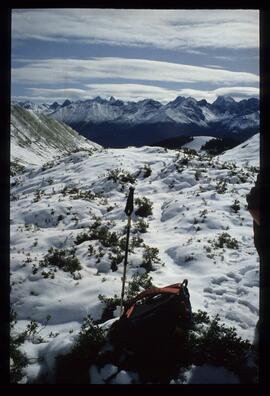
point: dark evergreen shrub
(62, 259)
(145, 207)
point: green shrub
(147, 171)
(38, 195)
(225, 240)
(190, 152)
(102, 234)
(141, 226)
(116, 258)
(16, 168)
(136, 242)
(145, 207)
(110, 304)
(213, 343)
(203, 213)
(86, 195)
(74, 367)
(69, 190)
(18, 359)
(150, 257)
(137, 284)
(198, 174)
(48, 165)
(182, 162)
(62, 259)
(235, 206)
(221, 187)
(75, 193)
(121, 176)
(82, 237)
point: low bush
(150, 257)
(147, 171)
(141, 226)
(235, 206)
(18, 359)
(61, 259)
(138, 283)
(225, 240)
(213, 343)
(121, 176)
(73, 367)
(145, 207)
(221, 187)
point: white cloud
(67, 71)
(214, 66)
(169, 29)
(238, 93)
(135, 92)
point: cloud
(214, 66)
(167, 29)
(67, 71)
(128, 92)
(135, 92)
(238, 93)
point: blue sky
(134, 54)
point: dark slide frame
(5, 78)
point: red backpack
(153, 316)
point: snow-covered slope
(198, 202)
(36, 139)
(246, 153)
(197, 142)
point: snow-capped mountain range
(115, 123)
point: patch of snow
(207, 374)
(247, 153)
(197, 142)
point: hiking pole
(128, 211)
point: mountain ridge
(115, 123)
(37, 139)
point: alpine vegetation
(70, 242)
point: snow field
(192, 208)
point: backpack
(153, 317)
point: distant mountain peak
(178, 100)
(99, 99)
(223, 99)
(54, 105)
(203, 102)
(67, 102)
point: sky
(79, 54)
